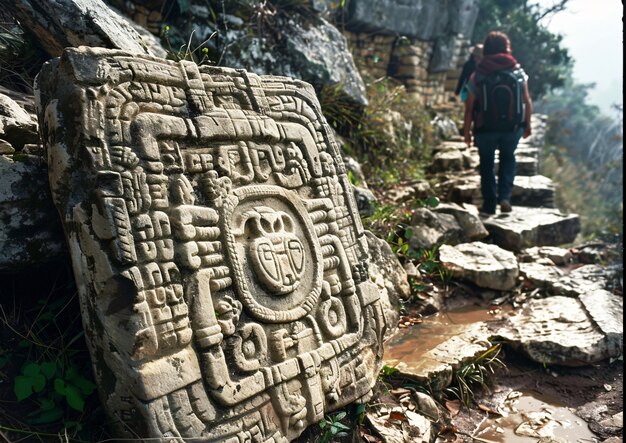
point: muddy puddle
(521, 416)
(410, 343)
(525, 416)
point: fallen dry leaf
(398, 416)
(400, 392)
(369, 438)
(489, 410)
(453, 406)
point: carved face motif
(276, 254)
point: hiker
(499, 106)
(468, 69)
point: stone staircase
(535, 220)
(576, 321)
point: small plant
(199, 54)
(387, 371)
(479, 373)
(332, 427)
(47, 386)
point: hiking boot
(505, 206)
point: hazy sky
(593, 33)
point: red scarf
(495, 62)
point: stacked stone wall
(409, 61)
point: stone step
(434, 359)
(569, 331)
(532, 191)
(525, 227)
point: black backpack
(500, 100)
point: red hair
(496, 42)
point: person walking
(498, 107)
(468, 68)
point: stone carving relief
(218, 251)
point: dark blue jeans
(487, 143)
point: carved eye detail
(266, 226)
(287, 222)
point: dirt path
(591, 393)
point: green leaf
(48, 369)
(47, 404)
(38, 382)
(432, 201)
(31, 369)
(59, 386)
(48, 416)
(340, 416)
(323, 424)
(4, 359)
(333, 429)
(23, 387)
(74, 397)
(342, 426)
(85, 386)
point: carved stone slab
(218, 251)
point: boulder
(423, 19)
(221, 264)
(432, 228)
(486, 265)
(449, 160)
(319, 54)
(467, 218)
(444, 126)
(567, 331)
(17, 126)
(528, 227)
(30, 229)
(366, 201)
(62, 23)
(552, 254)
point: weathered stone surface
(62, 23)
(444, 126)
(486, 265)
(432, 228)
(365, 201)
(534, 191)
(413, 427)
(527, 227)
(449, 160)
(458, 344)
(390, 277)
(467, 218)
(531, 191)
(555, 255)
(562, 281)
(444, 53)
(569, 331)
(219, 256)
(321, 55)
(30, 231)
(17, 126)
(423, 19)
